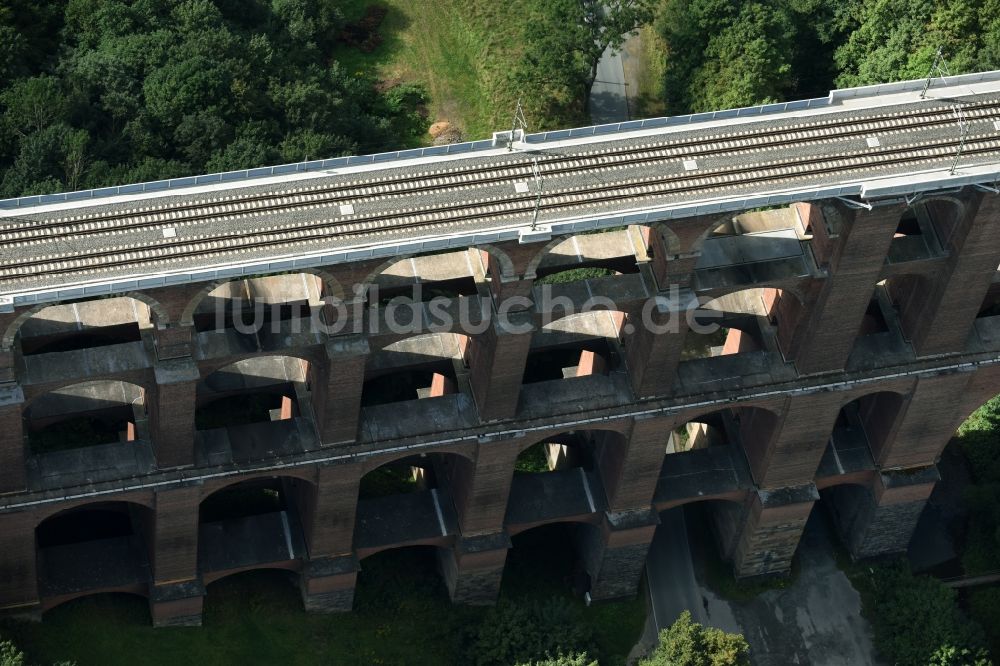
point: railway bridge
(763, 310)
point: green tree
(580, 659)
(565, 42)
(917, 620)
(687, 643)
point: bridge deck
(860, 143)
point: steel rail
(319, 230)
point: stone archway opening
(413, 500)
(422, 278)
(262, 306)
(253, 524)
(94, 548)
(408, 570)
(82, 325)
(557, 557)
(575, 470)
(87, 432)
(253, 409)
(577, 345)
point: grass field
(402, 616)
(464, 53)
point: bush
(519, 633)
(917, 620)
(687, 643)
(566, 660)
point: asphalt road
(608, 102)
(816, 620)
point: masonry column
(473, 569)
(772, 524)
(631, 482)
(12, 475)
(938, 319)
(177, 592)
(654, 343)
(789, 452)
(330, 574)
(337, 389)
(615, 554)
(497, 358)
(173, 412)
(18, 567)
(880, 520)
(851, 246)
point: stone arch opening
(741, 322)
(990, 306)
(709, 529)
(428, 489)
(584, 256)
(576, 345)
(724, 439)
(421, 278)
(267, 305)
(71, 544)
(86, 432)
(68, 327)
(255, 408)
(576, 469)
(254, 524)
(866, 425)
(850, 507)
(925, 229)
(557, 556)
(418, 473)
(908, 295)
(424, 569)
(417, 368)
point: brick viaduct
(856, 341)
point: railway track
(451, 217)
(25, 233)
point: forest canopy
(103, 92)
(722, 54)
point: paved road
(817, 620)
(608, 102)
(673, 585)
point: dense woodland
(100, 92)
(723, 54)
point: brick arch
(589, 521)
(558, 433)
(536, 260)
(143, 501)
(158, 313)
(671, 241)
(507, 269)
(439, 543)
(685, 416)
(708, 224)
(210, 577)
(796, 287)
(959, 207)
(737, 497)
(301, 355)
(372, 463)
(307, 474)
(563, 315)
(147, 391)
(331, 288)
